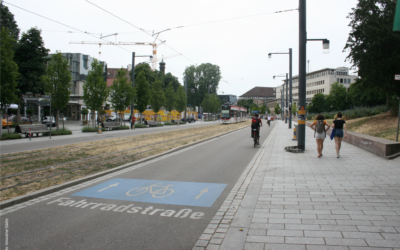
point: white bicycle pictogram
(157, 190)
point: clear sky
(239, 46)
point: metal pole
(282, 93)
(301, 142)
(290, 87)
(51, 118)
(286, 105)
(398, 122)
(186, 95)
(133, 81)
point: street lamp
(283, 94)
(290, 81)
(301, 135)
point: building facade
(260, 95)
(319, 81)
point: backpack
(320, 127)
(254, 121)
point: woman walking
(339, 125)
(320, 132)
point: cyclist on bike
(256, 123)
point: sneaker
(337, 156)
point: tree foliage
(200, 78)
(318, 103)
(180, 103)
(211, 103)
(246, 103)
(95, 91)
(142, 92)
(374, 47)
(150, 75)
(57, 82)
(9, 70)
(263, 108)
(337, 98)
(277, 109)
(359, 95)
(170, 98)
(157, 98)
(121, 91)
(170, 79)
(31, 57)
(294, 109)
(8, 22)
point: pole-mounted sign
(396, 23)
(397, 77)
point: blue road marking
(156, 191)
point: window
(341, 80)
(337, 79)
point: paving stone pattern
(298, 201)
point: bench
(109, 125)
(151, 123)
(31, 129)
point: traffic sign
(397, 77)
(156, 191)
(43, 103)
(45, 96)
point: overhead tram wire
(64, 25)
(143, 30)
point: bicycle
(255, 137)
(162, 192)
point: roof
(112, 74)
(260, 91)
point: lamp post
(186, 96)
(133, 81)
(302, 73)
(283, 107)
(290, 83)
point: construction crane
(164, 57)
(153, 44)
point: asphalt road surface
(163, 204)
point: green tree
(206, 104)
(246, 103)
(157, 98)
(57, 82)
(263, 109)
(359, 95)
(294, 109)
(150, 75)
(9, 72)
(84, 112)
(8, 22)
(277, 109)
(169, 98)
(31, 57)
(142, 93)
(95, 91)
(318, 103)
(337, 98)
(200, 78)
(374, 47)
(180, 103)
(170, 79)
(121, 92)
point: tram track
(57, 166)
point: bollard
(30, 134)
(100, 129)
(295, 133)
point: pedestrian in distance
(339, 125)
(320, 127)
(133, 119)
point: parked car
(47, 120)
(127, 118)
(189, 119)
(4, 123)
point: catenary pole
(290, 88)
(186, 95)
(286, 103)
(133, 80)
(302, 76)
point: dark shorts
(339, 133)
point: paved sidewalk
(298, 201)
